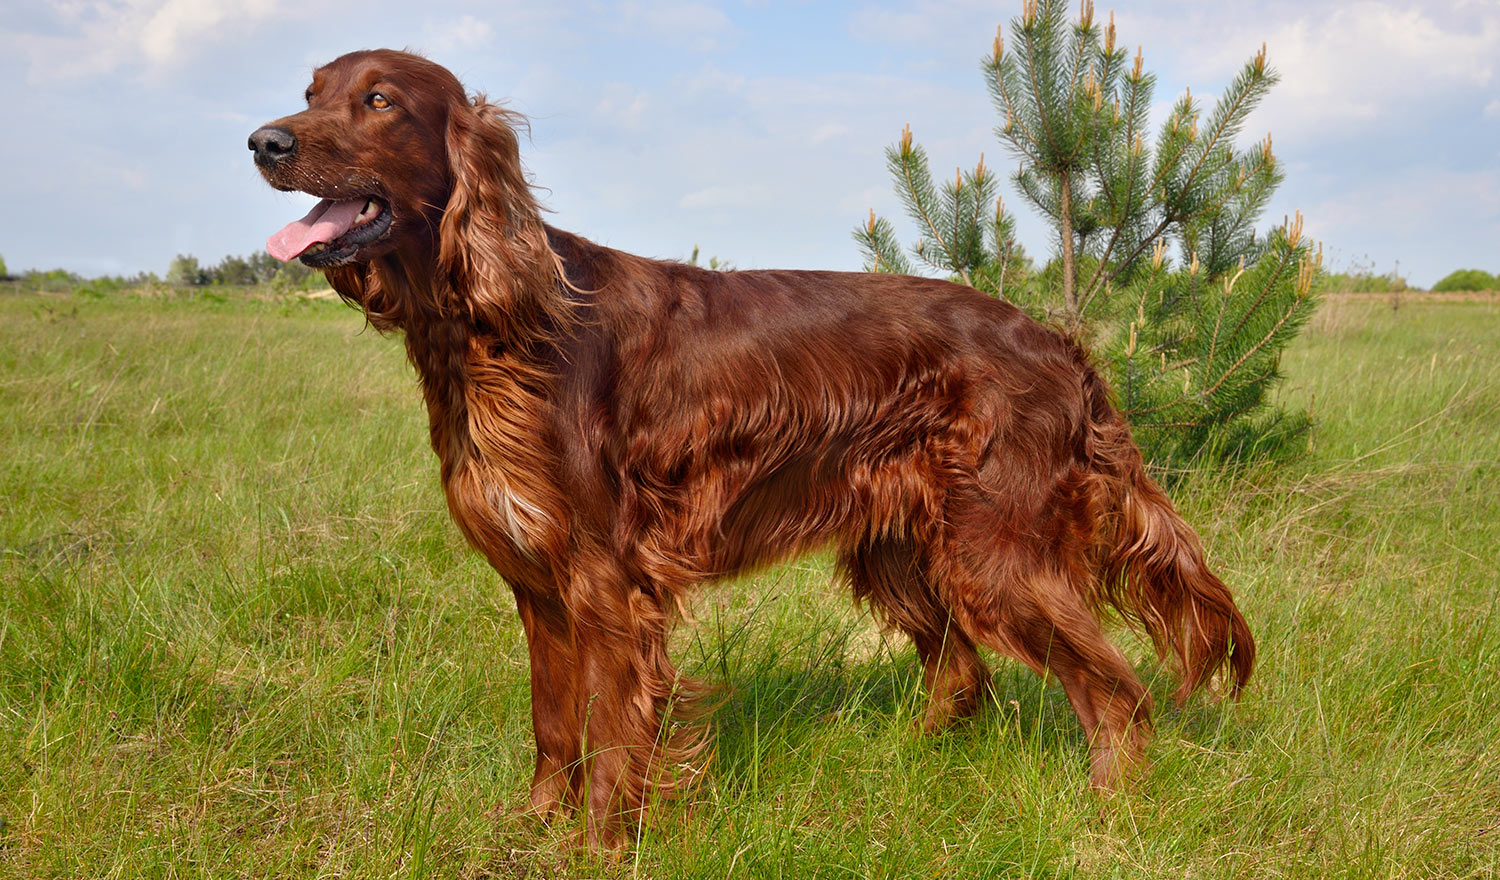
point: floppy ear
(493, 246)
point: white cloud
(94, 37)
(623, 105)
(1393, 218)
(178, 27)
(720, 198)
(698, 26)
(827, 131)
(1366, 62)
(454, 34)
(1414, 201)
(765, 170)
(934, 23)
(1345, 67)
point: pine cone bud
(1294, 230)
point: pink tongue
(325, 222)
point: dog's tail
(1152, 567)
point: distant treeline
(185, 270)
(1363, 279)
(261, 268)
(258, 268)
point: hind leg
(889, 575)
(1008, 596)
(1110, 701)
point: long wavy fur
(614, 431)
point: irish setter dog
(615, 430)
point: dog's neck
(488, 386)
(463, 355)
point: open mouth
(332, 232)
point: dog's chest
(496, 513)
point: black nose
(271, 144)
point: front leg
(629, 685)
(556, 702)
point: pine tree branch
(954, 257)
(1213, 340)
(1102, 143)
(1265, 291)
(1229, 192)
(1036, 96)
(1246, 92)
(1013, 118)
(877, 238)
(1287, 316)
(1103, 274)
(1080, 41)
(1281, 322)
(1155, 233)
(1028, 183)
(1166, 162)
(921, 209)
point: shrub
(184, 271)
(1192, 348)
(1467, 279)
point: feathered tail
(1153, 568)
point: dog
(613, 431)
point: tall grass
(239, 637)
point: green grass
(239, 637)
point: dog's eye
(377, 101)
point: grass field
(240, 638)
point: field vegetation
(1467, 279)
(240, 637)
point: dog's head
(390, 142)
(410, 171)
(372, 144)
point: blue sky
(754, 129)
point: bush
(1361, 282)
(184, 271)
(234, 270)
(294, 276)
(1360, 277)
(1467, 279)
(53, 281)
(1192, 346)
